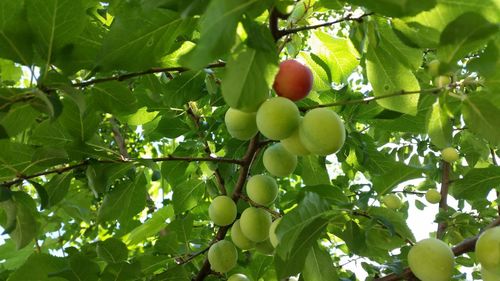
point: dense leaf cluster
(113, 144)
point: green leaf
(151, 226)
(175, 273)
(38, 267)
(15, 157)
(131, 48)
(439, 126)
(42, 194)
(55, 23)
(297, 232)
(393, 220)
(9, 72)
(479, 116)
(19, 118)
(415, 34)
(172, 127)
(313, 170)
(321, 75)
(330, 193)
(477, 183)
(395, 8)
(115, 98)
(397, 173)
(112, 250)
(463, 35)
(188, 86)
(57, 188)
(80, 125)
(388, 76)
(338, 53)
(16, 37)
(13, 258)
(121, 271)
(217, 32)
(248, 78)
(83, 269)
(410, 57)
(319, 266)
(22, 224)
(473, 147)
(124, 201)
(187, 195)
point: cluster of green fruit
(254, 228)
(433, 260)
(320, 131)
(392, 201)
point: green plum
(450, 154)
(277, 118)
(433, 196)
(392, 201)
(278, 161)
(255, 223)
(488, 249)
(293, 143)
(262, 189)
(239, 239)
(241, 125)
(431, 260)
(222, 256)
(322, 131)
(222, 211)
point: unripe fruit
(322, 131)
(255, 223)
(278, 161)
(433, 196)
(238, 277)
(392, 201)
(293, 81)
(488, 250)
(442, 81)
(262, 189)
(488, 275)
(272, 233)
(240, 125)
(240, 240)
(265, 247)
(433, 68)
(431, 260)
(277, 118)
(222, 256)
(450, 154)
(222, 210)
(293, 143)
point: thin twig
(443, 204)
(284, 32)
(130, 75)
(21, 178)
(369, 99)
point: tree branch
(21, 178)
(443, 204)
(468, 245)
(372, 98)
(130, 75)
(284, 32)
(252, 150)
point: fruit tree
(260, 140)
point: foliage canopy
(113, 143)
